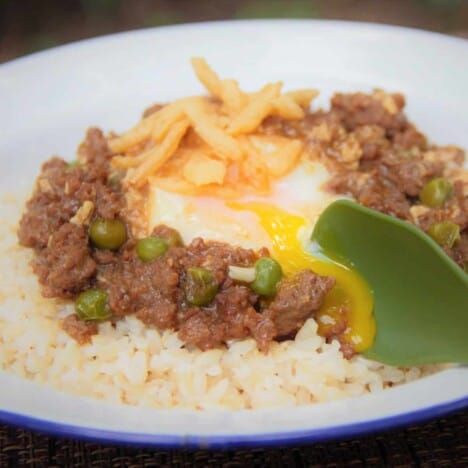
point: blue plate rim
(230, 441)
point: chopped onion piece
(245, 274)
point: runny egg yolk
(350, 294)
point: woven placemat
(439, 443)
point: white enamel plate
(49, 99)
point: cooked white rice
(137, 365)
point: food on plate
(177, 256)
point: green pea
(150, 248)
(435, 193)
(268, 274)
(107, 233)
(445, 233)
(200, 286)
(92, 305)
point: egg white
(299, 193)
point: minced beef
(296, 300)
(234, 304)
(408, 174)
(51, 206)
(78, 329)
(372, 191)
(360, 109)
(379, 158)
(154, 292)
(372, 153)
(67, 264)
(147, 289)
(61, 189)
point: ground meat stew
(380, 159)
(373, 154)
(68, 263)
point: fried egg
(215, 218)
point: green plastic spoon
(420, 295)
